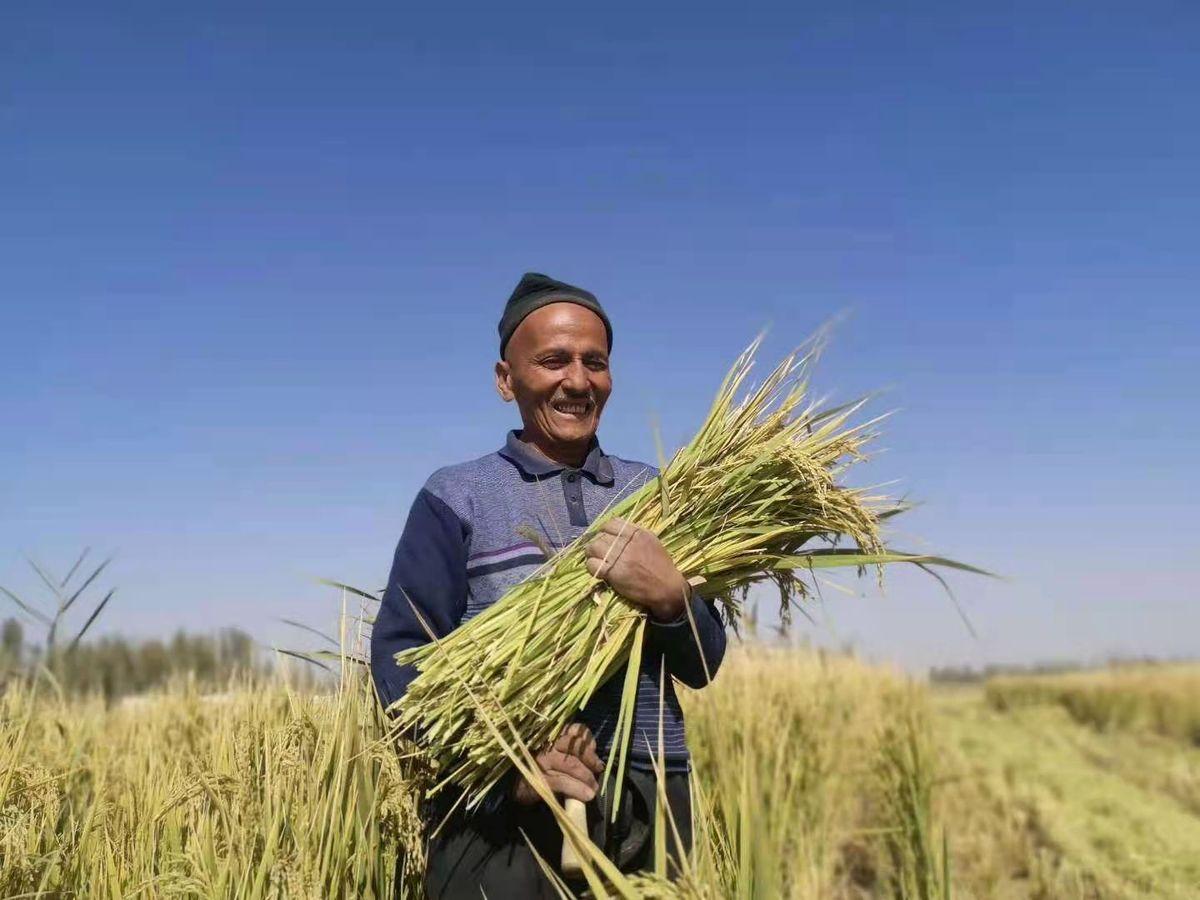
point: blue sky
(252, 260)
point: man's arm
(636, 565)
(430, 570)
(694, 662)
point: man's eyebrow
(567, 351)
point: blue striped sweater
(462, 549)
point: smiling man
(479, 527)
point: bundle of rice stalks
(738, 504)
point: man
(467, 541)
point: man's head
(555, 342)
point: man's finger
(566, 786)
(589, 757)
(575, 739)
(620, 534)
(607, 548)
(599, 545)
(601, 555)
(574, 728)
(566, 764)
(571, 741)
(618, 526)
(582, 746)
(569, 734)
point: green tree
(12, 645)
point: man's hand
(570, 766)
(636, 565)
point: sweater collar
(532, 462)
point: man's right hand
(570, 766)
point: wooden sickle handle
(577, 813)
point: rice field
(817, 776)
(1163, 699)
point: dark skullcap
(534, 291)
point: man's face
(556, 368)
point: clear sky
(252, 257)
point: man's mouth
(572, 407)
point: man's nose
(576, 377)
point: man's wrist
(671, 608)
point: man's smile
(574, 408)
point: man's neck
(571, 455)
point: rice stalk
(740, 503)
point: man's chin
(580, 433)
(575, 436)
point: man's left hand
(635, 564)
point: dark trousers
(476, 855)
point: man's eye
(597, 365)
(554, 362)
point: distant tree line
(970, 674)
(117, 666)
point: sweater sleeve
(694, 663)
(430, 570)
(429, 573)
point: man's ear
(504, 382)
